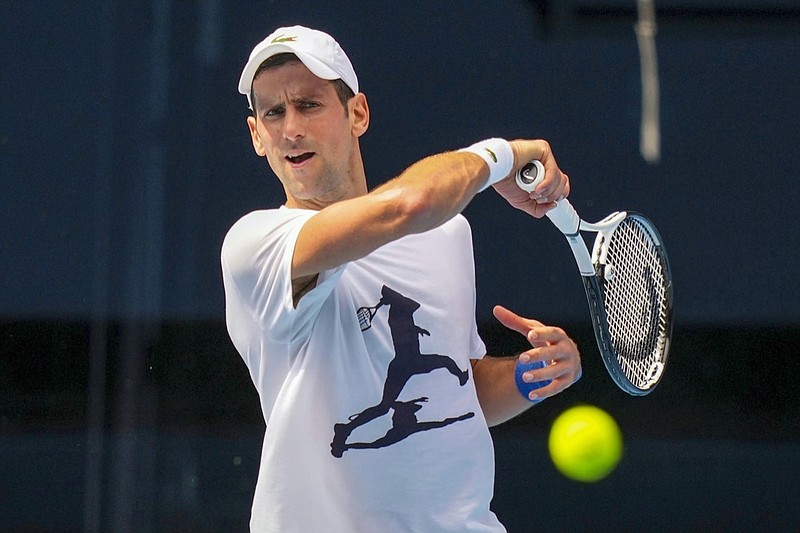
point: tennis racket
(628, 285)
(365, 315)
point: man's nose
(293, 124)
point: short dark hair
(343, 91)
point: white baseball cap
(317, 50)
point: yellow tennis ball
(585, 443)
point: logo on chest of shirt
(408, 362)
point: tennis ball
(585, 443)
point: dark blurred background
(124, 159)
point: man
(355, 312)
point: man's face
(305, 133)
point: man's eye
(274, 112)
(309, 105)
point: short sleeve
(257, 267)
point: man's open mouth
(297, 159)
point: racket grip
(563, 216)
(525, 387)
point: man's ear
(258, 145)
(359, 111)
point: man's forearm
(497, 391)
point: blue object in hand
(525, 387)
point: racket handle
(563, 216)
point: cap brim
(314, 65)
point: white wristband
(498, 154)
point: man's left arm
(494, 376)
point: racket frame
(569, 223)
(595, 296)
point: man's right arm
(424, 196)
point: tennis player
(375, 421)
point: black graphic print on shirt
(407, 362)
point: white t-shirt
(377, 430)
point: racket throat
(582, 257)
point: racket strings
(636, 301)
(364, 318)
(365, 315)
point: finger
(546, 353)
(551, 191)
(513, 321)
(535, 338)
(545, 373)
(549, 334)
(510, 319)
(560, 377)
(564, 351)
(558, 193)
(541, 209)
(530, 355)
(544, 190)
(550, 389)
(552, 174)
(565, 188)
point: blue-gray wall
(124, 156)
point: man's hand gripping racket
(628, 286)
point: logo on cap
(282, 39)
(491, 154)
